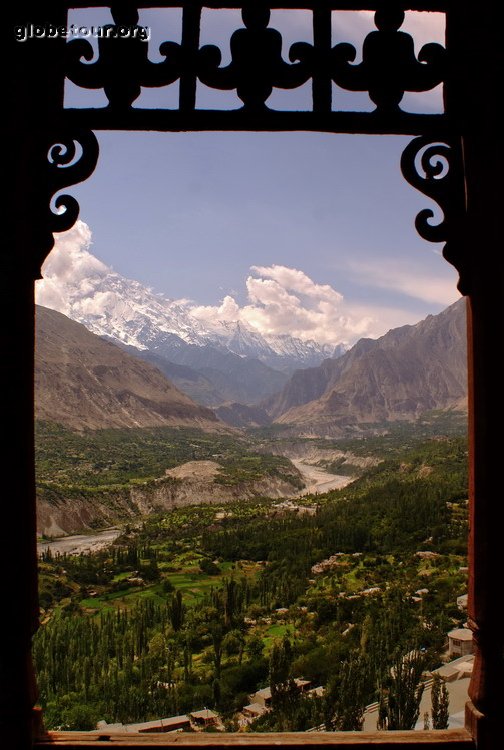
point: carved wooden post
(19, 582)
(476, 55)
(32, 96)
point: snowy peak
(79, 285)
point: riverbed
(77, 543)
(318, 480)
(315, 478)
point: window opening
(62, 155)
(263, 211)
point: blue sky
(191, 214)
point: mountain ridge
(232, 361)
(408, 371)
(85, 382)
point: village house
(253, 711)
(316, 692)
(170, 724)
(302, 685)
(287, 506)
(329, 563)
(426, 554)
(371, 591)
(205, 718)
(460, 642)
(261, 697)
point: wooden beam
(162, 120)
(454, 739)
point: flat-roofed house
(205, 717)
(170, 724)
(254, 710)
(263, 697)
(460, 642)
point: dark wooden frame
(32, 121)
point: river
(77, 543)
(318, 480)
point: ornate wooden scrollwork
(435, 168)
(389, 65)
(67, 158)
(122, 67)
(257, 65)
(72, 159)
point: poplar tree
(402, 692)
(346, 696)
(440, 703)
(177, 611)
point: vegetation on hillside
(204, 605)
(70, 462)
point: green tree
(346, 696)
(440, 703)
(402, 692)
(216, 691)
(167, 586)
(283, 689)
(254, 647)
(177, 611)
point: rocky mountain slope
(213, 376)
(69, 513)
(408, 371)
(236, 362)
(84, 382)
(241, 415)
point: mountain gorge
(213, 376)
(109, 428)
(408, 371)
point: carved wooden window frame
(48, 148)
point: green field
(190, 598)
(111, 460)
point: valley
(194, 558)
(104, 477)
(191, 608)
(317, 480)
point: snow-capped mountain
(129, 313)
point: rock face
(84, 382)
(233, 361)
(408, 371)
(240, 415)
(185, 485)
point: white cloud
(283, 300)
(280, 299)
(69, 264)
(408, 279)
(383, 318)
